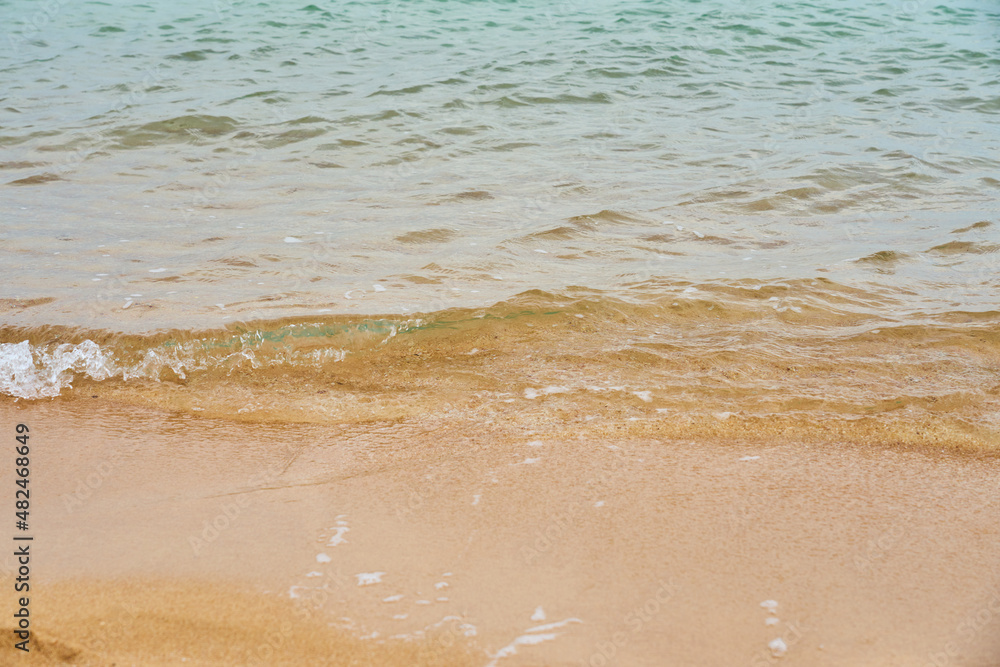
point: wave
(28, 371)
(573, 355)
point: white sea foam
(27, 372)
(553, 626)
(338, 536)
(369, 578)
(531, 393)
(532, 636)
(43, 371)
(524, 640)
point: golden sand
(151, 622)
(164, 538)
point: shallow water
(710, 185)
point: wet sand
(163, 538)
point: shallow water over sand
(247, 160)
(226, 193)
(708, 360)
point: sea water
(712, 191)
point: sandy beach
(502, 333)
(164, 538)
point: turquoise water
(184, 164)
